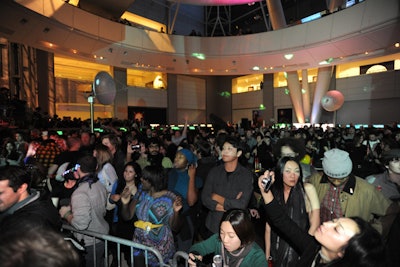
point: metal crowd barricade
(120, 241)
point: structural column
(305, 92)
(323, 80)
(46, 81)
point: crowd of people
(333, 200)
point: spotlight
(288, 56)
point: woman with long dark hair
(125, 228)
(298, 203)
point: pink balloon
(332, 100)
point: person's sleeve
(111, 177)
(379, 203)
(198, 182)
(289, 229)
(207, 191)
(208, 246)
(247, 190)
(258, 258)
(81, 210)
(167, 163)
(385, 209)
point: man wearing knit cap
(388, 182)
(342, 194)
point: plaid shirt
(330, 206)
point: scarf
(90, 178)
(235, 258)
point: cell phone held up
(135, 147)
(267, 182)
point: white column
(305, 92)
(295, 95)
(323, 80)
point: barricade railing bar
(108, 239)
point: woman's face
(129, 174)
(146, 186)
(291, 173)
(334, 235)
(228, 237)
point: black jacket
(304, 243)
(35, 211)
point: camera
(267, 182)
(135, 147)
(69, 174)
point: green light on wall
(200, 56)
(262, 107)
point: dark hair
(167, 137)
(88, 164)
(365, 249)
(121, 181)
(203, 148)
(154, 140)
(295, 144)
(241, 224)
(36, 247)
(278, 184)
(16, 176)
(259, 134)
(156, 176)
(234, 142)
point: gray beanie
(337, 163)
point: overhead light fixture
(397, 45)
(256, 68)
(200, 56)
(288, 56)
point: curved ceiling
(215, 2)
(310, 43)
